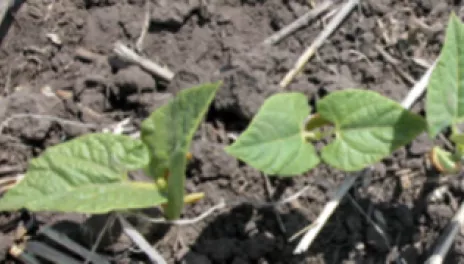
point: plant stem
(312, 136)
(317, 135)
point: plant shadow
(247, 234)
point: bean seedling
(89, 174)
(366, 126)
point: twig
(309, 52)
(329, 208)
(129, 55)
(299, 23)
(421, 62)
(9, 169)
(45, 117)
(394, 62)
(73, 246)
(44, 251)
(120, 127)
(7, 183)
(418, 88)
(143, 244)
(88, 56)
(447, 238)
(146, 25)
(293, 196)
(304, 244)
(301, 232)
(197, 219)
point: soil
(201, 41)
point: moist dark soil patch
(220, 40)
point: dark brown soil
(211, 40)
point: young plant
(445, 97)
(367, 127)
(89, 174)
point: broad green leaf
(274, 141)
(445, 92)
(92, 198)
(169, 131)
(368, 127)
(87, 174)
(457, 138)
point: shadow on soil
(247, 234)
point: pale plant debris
(309, 52)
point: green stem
(316, 135)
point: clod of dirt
(212, 160)
(246, 87)
(149, 101)
(173, 13)
(380, 7)
(14, 153)
(440, 214)
(427, 5)
(96, 100)
(195, 258)
(422, 144)
(132, 80)
(23, 102)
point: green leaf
(88, 175)
(169, 131)
(274, 141)
(445, 92)
(457, 138)
(368, 127)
